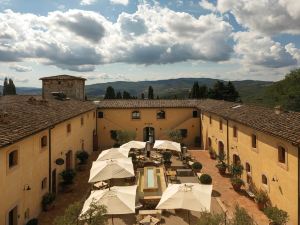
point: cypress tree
(12, 87)
(126, 95)
(231, 93)
(142, 96)
(150, 93)
(110, 93)
(195, 93)
(119, 95)
(5, 86)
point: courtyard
(224, 198)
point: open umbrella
(113, 153)
(117, 200)
(169, 145)
(111, 168)
(134, 144)
(190, 196)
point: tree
(110, 93)
(5, 86)
(9, 87)
(211, 219)
(126, 95)
(241, 217)
(125, 136)
(142, 96)
(203, 92)
(95, 215)
(231, 93)
(175, 135)
(150, 93)
(119, 95)
(195, 91)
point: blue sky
(110, 40)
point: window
(248, 168)
(221, 125)
(100, 114)
(209, 142)
(69, 128)
(183, 132)
(210, 120)
(235, 132)
(13, 159)
(264, 179)
(161, 114)
(254, 141)
(195, 113)
(82, 121)
(248, 173)
(281, 154)
(44, 141)
(44, 183)
(135, 115)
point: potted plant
(261, 198)
(33, 221)
(47, 201)
(197, 166)
(205, 179)
(212, 154)
(68, 177)
(276, 216)
(167, 158)
(222, 166)
(236, 170)
(237, 183)
(82, 156)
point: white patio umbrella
(189, 196)
(117, 200)
(134, 144)
(170, 145)
(111, 168)
(113, 153)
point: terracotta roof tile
(25, 117)
(62, 77)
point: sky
(133, 40)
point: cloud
(20, 68)
(88, 2)
(268, 17)
(205, 4)
(255, 49)
(121, 2)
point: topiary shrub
(68, 176)
(47, 200)
(33, 222)
(167, 156)
(197, 166)
(277, 216)
(82, 156)
(205, 179)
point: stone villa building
(36, 131)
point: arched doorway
(221, 148)
(149, 134)
(236, 159)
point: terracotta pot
(261, 206)
(236, 187)
(222, 171)
(212, 155)
(48, 207)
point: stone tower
(73, 87)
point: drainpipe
(50, 169)
(298, 185)
(227, 134)
(201, 138)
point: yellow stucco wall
(283, 191)
(120, 119)
(33, 163)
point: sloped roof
(27, 115)
(62, 77)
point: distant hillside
(285, 93)
(26, 90)
(169, 88)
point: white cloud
(265, 16)
(255, 49)
(120, 2)
(20, 68)
(205, 4)
(88, 2)
(79, 40)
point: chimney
(278, 110)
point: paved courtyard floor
(179, 217)
(228, 196)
